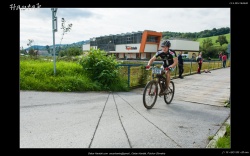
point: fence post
(128, 76)
(190, 67)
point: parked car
(184, 56)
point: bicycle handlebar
(150, 67)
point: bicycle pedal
(161, 94)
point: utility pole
(54, 29)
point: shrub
(101, 67)
(72, 51)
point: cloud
(93, 22)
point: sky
(36, 24)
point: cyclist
(169, 59)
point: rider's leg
(168, 79)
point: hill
(214, 38)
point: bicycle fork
(150, 89)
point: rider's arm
(151, 60)
(175, 62)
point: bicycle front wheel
(169, 96)
(150, 94)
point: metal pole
(128, 76)
(54, 29)
(190, 68)
(54, 53)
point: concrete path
(119, 119)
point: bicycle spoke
(150, 95)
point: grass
(211, 137)
(38, 74)
(225, 141)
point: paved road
(119, 119)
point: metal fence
(136, 75)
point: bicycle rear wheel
(169, 97)
(150, 94)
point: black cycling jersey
(167, 58)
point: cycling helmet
(166, 43)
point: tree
(30, 42)
(32, 52)
(64, 28)
(207, 43)
(222, 40)
(48, 49)
(72, 51)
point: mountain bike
(151, 93)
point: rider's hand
(168, 68)
(147, 67)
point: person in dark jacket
(180, 65)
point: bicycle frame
(159, 77)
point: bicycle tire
(169, 97)
(152, 96)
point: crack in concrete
(121, 122)
(98, 122)
(151, 122)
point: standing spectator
(180, 65)
(199, 61)
(220, 56)
(224, 59)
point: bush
(101, 67)
(72, 51)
